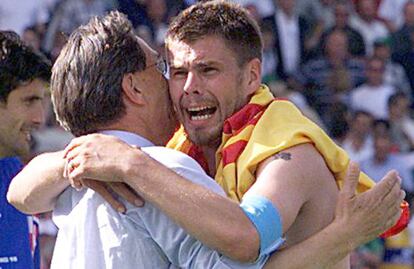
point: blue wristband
(267, 221)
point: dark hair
(87, 76)
(357, 113)
(226, 20)
(381, 122)
(392, 100)
(19, 64)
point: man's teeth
(28, 135)
(201, 112)
(197, 109)
(203, 117)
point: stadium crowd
(347, 64)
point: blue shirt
(18, 232)
(93, 235)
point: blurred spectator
(18, 15)
(358, 143)
(366, 23)
(339, 125)
(264, 8)
(356, 45)
(281, 90)
(384, 160)
(391, 11)
(269, 62)
(77, 12)
(402, 126)
(317, 12)
(328, 79)
(157, 13)
(136, 12)
(401, 42)
(290, 31)
(32, 38)
(372, 96)
(394, 73)
(68, 15)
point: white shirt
(93, 235)
(17, 15)
(288, 29)
(372, 99)
(359, 155)
(393, 11)
(370, 31)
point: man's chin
(203, 138)
(24, 152)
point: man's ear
(254, 75)
(131, 89)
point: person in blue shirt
(24, 75)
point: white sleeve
(183, 250)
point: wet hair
(226, 20)
(19, 64)
(87, 77)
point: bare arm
(358, 219)
(36, 187)
(301, 187)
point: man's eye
(209, 70)
(179, 73)
(31, 101)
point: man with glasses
(121, 93)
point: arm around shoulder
(36, 187)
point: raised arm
(36, 187)
(358, 219)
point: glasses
(161, 66)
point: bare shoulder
(302, 160)
(299, 181)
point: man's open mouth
(201, 112)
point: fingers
(389, 183)
(76, 151)
(68, 169)
(127, 193)
(76, 142)
(101, 188)
(351, 180)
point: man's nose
(37, 115)
(192, 83)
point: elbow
(18, 202)
(14, 201)
(244, 245)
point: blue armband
(267, 221)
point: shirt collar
(130, 138)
